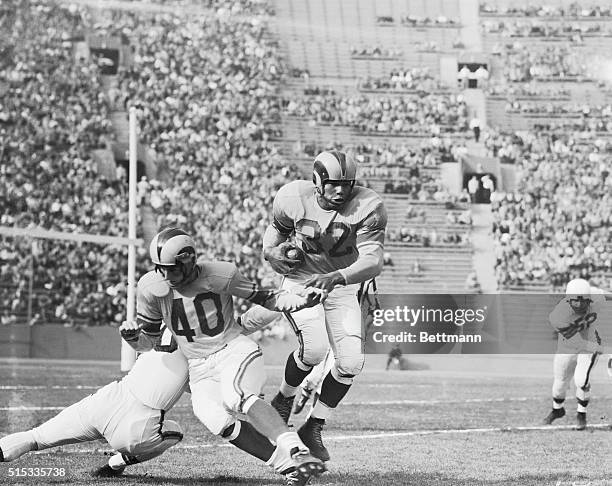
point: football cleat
(300, 403)
(554, 414)
(310, 433)
(581, 421)
(107, 472)
(307, 467)
(283, 406)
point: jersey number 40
(193, 321)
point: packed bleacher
(551, 63)
(557, 226)
(409, 79)
(407, 114)
(53, 113)
(573, 10)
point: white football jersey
(330, 239)
(201, 315)
(158, 379)
(577, 330)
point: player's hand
(314, 296)
(130, 330)
(293, 301)
(325, 281)
(280, 261)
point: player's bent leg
(67, 427)
(308, 326)
(563, 368)
(169, 437)
(242, 377)
(208, 406)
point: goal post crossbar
(42, 233)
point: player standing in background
(195, 299)
(575, 318)
(129, 414)
(339, 232)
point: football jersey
(330, 239)
(574, 328)
(158, 379)
(201, 315)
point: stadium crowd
(410, 79)
(574, 31)
(573, 10)
(550, 63)
(408, 114)
(53, 114)
(557, 226)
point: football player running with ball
(338, 230)
(575, 318)
(195, 300)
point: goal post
(95, 241)
(128, 354)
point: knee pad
(312, 356)
(349, 366)
(213, 416)
(239, 404)
(171, 432)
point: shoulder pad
(295, 189)
(153, 283)
(217, 269)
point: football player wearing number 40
(195, 300)
(579, 345)
(339, 228)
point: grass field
(464, 421)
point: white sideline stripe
(360, 404)
(383, 435)
(50, 387)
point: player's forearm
(272, 238)
(142, 342)
(257, 318)
(368, 265)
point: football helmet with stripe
(173, 253)
(337, 168)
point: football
(294, 253)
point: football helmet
(333, 166)
(578, 291)
(172, 251)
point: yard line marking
(383, 435)
(22, 408)
(50, 387)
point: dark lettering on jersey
(579, 324)
(332, 242)
(186, 325)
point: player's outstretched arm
(273, 299)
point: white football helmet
(173, 249)
(578, 291)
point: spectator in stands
(475, 126)
(473, 187)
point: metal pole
(128, 355)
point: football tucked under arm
(284, 257)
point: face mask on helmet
(579, 293)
